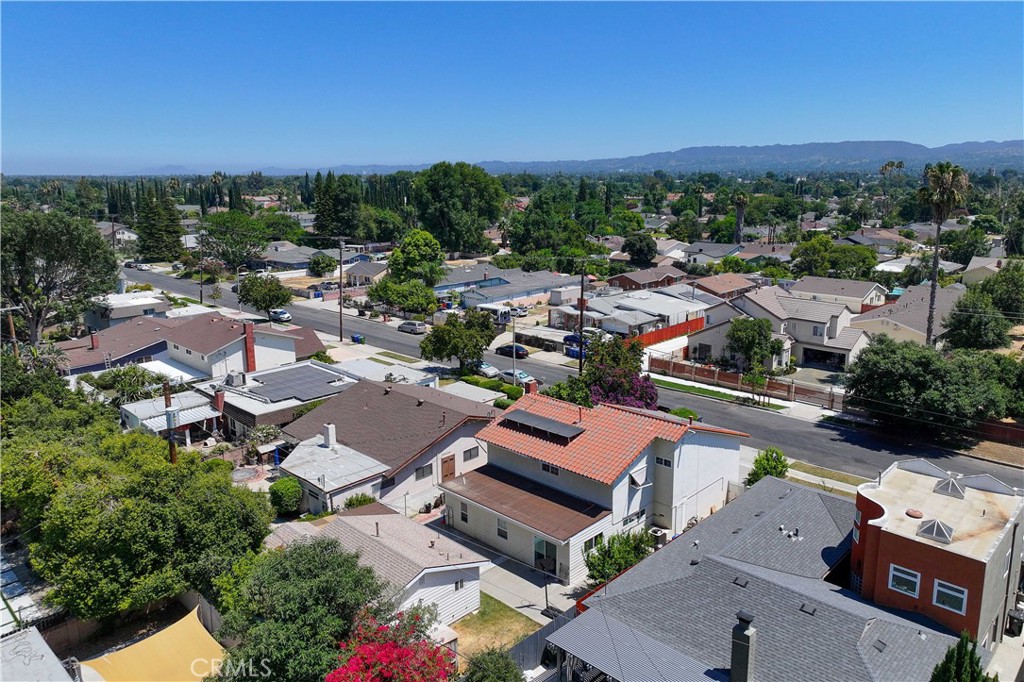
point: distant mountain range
(814, 156)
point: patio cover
(193, 415)
(181, 652)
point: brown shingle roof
(306, 343)
(725, 283)
(390, 422)
(118, 341)
(536, 506)
(651, 274)
(208, 333)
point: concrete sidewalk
(747, 455)
(794, 409)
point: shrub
(769, 462)
(359, 500)
(322, 356)
(320, 265)
(684, 413)
(220, 449)
(504, 403)
(214, 465)
(308, 407)
(612, 557)
(286, 495)
(513, 392)
(492, 665)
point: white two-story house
(217, 345)
(561, 478)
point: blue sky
(116, 87)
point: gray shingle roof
(785, 307)
(712, 249)
(911, 309)
(685, 597)
(828, 286)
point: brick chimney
(744, 648)
(530, 387)
(218, 400)
(250, 347)
(94, 340)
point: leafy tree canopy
(399, 651)
(322, 264)
(769, 462)
(492, 665)
(464, 339)
(51, 265)
(286, 495)
(962, 664)
(456, 203)
(613, 556)
(413, 296)
(264, 293)
(752, 340)
(235, 238)
(419, 256)
(975, 322)
(641, 249)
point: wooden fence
(672, 332)
(776, 388)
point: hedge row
(513, 392)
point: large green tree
(159, 226)
(234, 237)
(419, 256)
(964, 245)
(1006, 288)
(290, 608)
(947, 187)
(961, 664)
(641, 248)
(812, 257)
(464, 339)
(611, 374)
(975, 322)
(51, 265)
(456, 203)
(264, 293)
(752, 340)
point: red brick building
(943, 545)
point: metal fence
(528, 652)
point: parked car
(130, 264)
(177, 267)
(595, 334)
(574, 340)
(143, 266)
(328, 286)
(313, 287)
(512, 350)
(280, 315)
(518, 378)
(485, 369)
(519, 311)
(413, 327)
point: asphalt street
(854, 451)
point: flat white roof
(131, 298)
(470, 392)
(364, 368)
(339, 464)
(173, 369)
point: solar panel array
(534, 421)
(303, 383)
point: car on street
(413, 327)
(574, 340)
(313, 287)
(177, 267)
(328, 286)
(280, 315)
(129, 264)
(519, 311)
(484, 369)
(143, 266)
(510, 350)
(517, 378)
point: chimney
(250, 347)
(744, 648)
(94, 340)
(530, 387)
(328, 434)
(218, 400)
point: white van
(502, 314)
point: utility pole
(171, 443)
(341, 289)
(582, 307)
(515, 377)
(202, 273)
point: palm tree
(947, 187)
(217, 180)
(740, 201)
(698, 189)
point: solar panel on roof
(535, 421)
(301, 383)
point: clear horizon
(236, 86)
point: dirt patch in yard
(1003, 453)
(494, 625)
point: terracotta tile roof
(611, 440)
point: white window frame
(589, 545)
(460, 584)
(856, 535)
(817, 330)
(502, 529)
(467, 456)
(951, 589)
(917, 578)
(463, 512)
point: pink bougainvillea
(394, 652)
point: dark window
(425, 471)
(471, 453)
(463, 512)
(502, 529)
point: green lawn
(397, 356)
(706, 392)
(495, 624)
(823, 486)
(827, 474)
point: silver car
(413, 327)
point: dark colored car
(574, 340)
(512, 350)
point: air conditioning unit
(235, 379)
(660, 537)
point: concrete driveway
(516, 584)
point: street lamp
(238, 283)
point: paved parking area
(817, 376)
(514, 583)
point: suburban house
(330, 472)
(858, 296)
(703, 253)
(481, 283)
(711, 343)
(116, 234)
(137, 341)
(820, 331)
(25, 655)
(285, 255)
(365, 273)
(652, 278)
(424, 436)
(944, 545)
(190, 414)
(671, 248)
(637, 312)
(111, 310)
(271, 396)
(217, 345)
(881, 240)
(980, 269)
(907, 318)
(421, 566)
(725, 286)
(757, 253)
(396, 373)
(305, 218)
(758, 591)
(560, 478)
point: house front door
(447, 468)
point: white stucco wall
(566, 481)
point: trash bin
(358, 338)
(1015, 623)
(549, 346)
(573, 352)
